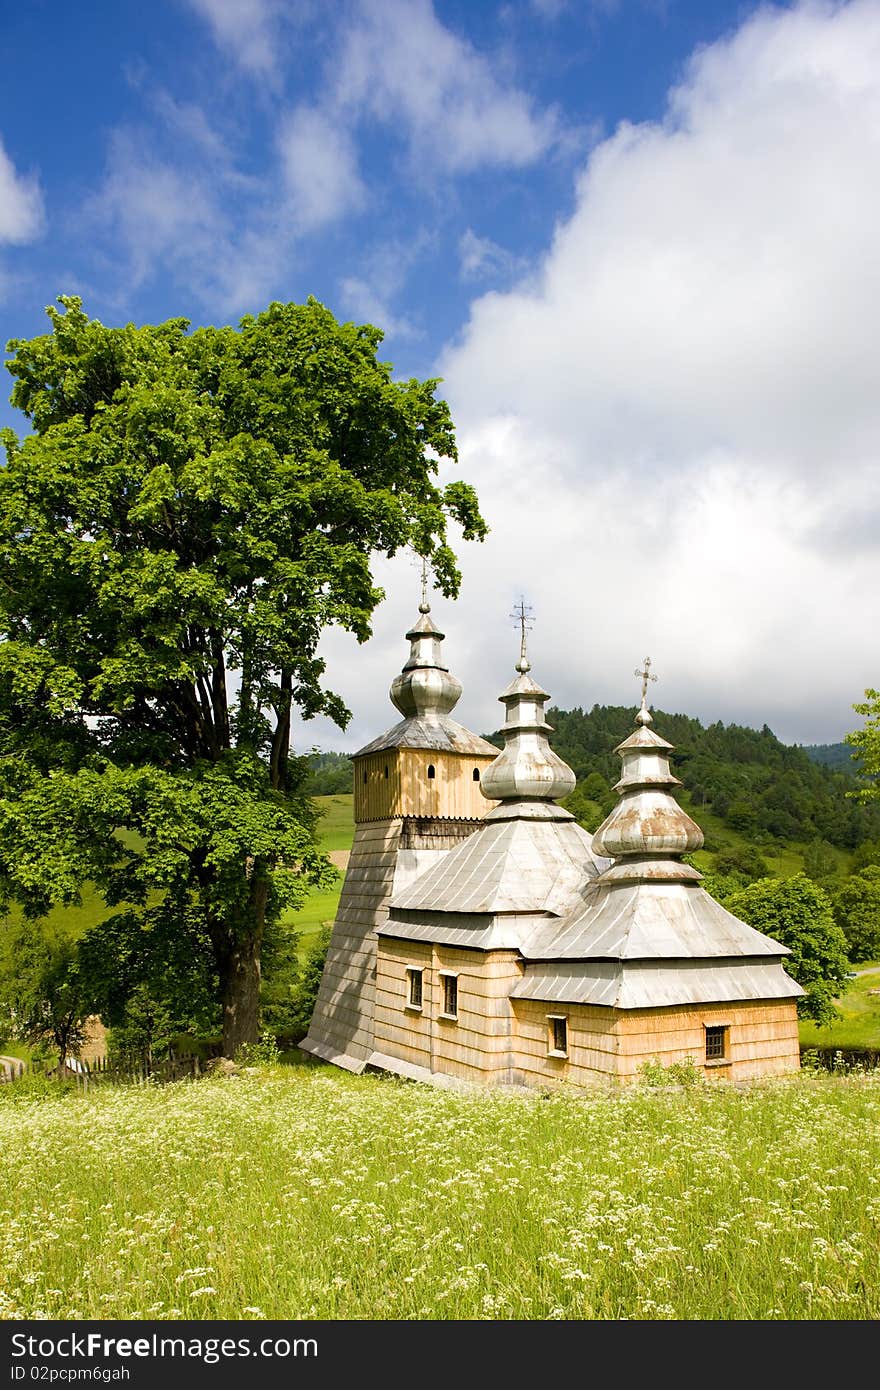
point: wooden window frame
(717, 1047)
(411, 972)
(552, 1038)
(450, 980)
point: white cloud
(21, 203)
(674, 424)
(401, 66)
(360, 299)
(246, 29)
(481, 257)
(320, 169)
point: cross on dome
(522, 614)
(643, 717)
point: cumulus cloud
(21, 203)
(401, 66)
(674, 422)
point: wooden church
(483, 936)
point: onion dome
(647, 832)
(527, 771)
(425, 688)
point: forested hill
(763, 789)
(837, 755)
(760, 787)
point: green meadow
(306, 1192)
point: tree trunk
(241, 996)
(240, 977)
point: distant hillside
(331, 773)
(765, 790)
(835, 755)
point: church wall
(611, 1045)
(377, 796)
(407, 790)
(342, 1022)
(762, 1038)
(478, 1044)
(592, 1044)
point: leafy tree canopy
(190, 513)
(857, 912)
(866, 742)
(797, 912)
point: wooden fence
(133, 1069)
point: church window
(450, 994)
(716, 1044)
(414, 988)
(431, 772)
(365, 775)
(558, 1035)
(386, 769)
(476, 774)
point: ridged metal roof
(518, 865)
(476, 931)
(644, 920)
(438, 732)
(651, 984)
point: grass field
(860, 1024)
(310, 1193)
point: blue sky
(637, 239)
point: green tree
(797, 912)
(867, 853)
(857, 912)
(866, 741)
(44, 997)
(190, 513)
(820, 863)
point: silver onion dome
(425, 688)
(527, 769)
(647, 832)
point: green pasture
(309, 1193)
(860, 1009)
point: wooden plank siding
(498, 1040)
(395, 782)
(607, 1045)
(478, 1045)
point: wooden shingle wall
(478, 1045)
(395, 782)
(341, 1029)
(611, 1045)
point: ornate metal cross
(522, 614)
(424, 581)
(421, 563)
(645, 676)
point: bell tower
(417, 794)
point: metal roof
(653, 984)
(476, 931)
(438, 731)
(518, 865)
(645, 920)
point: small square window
(558, 1035)
(414, 989)
(716, 1044)
(450, 995)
